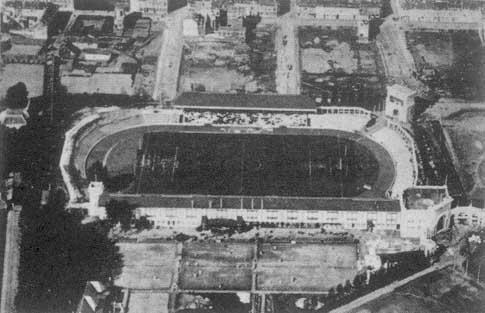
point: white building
(338, 9)
(242, 8)
(425, 211)
(11, 118)
(96, 55)
(363, 30)
(400, 103)
(420, 213)
(438, 12)
(154, 9)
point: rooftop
(247, 202)
(402, 90)
(245, 101)
(23, 50)
(442, 4)
(424, 198)
(340, 3)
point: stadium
(269, 160)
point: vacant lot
(228, 65)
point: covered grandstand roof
(245, 101)
(247, 202)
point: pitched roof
(245, 101)
(248, 202)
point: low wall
(65, 163)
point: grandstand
(156, 151)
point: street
(288, 57)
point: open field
(234, 252)
(233, 164)
(32, 75)
(148, 302)
(337, 70)
(452, 64)
(225, 65)
(306, 267)
(223, 276)
(338, 255)
(374, 166)
(210, 265)
(301, 278)
(147, 265)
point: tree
(347, 287)
(58, 255)
(119, 212)
(143, 223)
(17, 96)
(340, 291)
(331, 296)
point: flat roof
(340, 3)
(245, 101)
(248, 202)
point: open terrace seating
(246, 119)
(402, 156)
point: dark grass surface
(237, 164)
(121, 159)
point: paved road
(11, 263)
(288, 57)
(168, 67)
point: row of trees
(58, 254)
(400, 267)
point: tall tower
(95, 190)
(363, 29)
(400, 103)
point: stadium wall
(189, 217)
(171, 217)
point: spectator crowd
(255, 119)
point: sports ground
(169, 159)
(236, 266)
